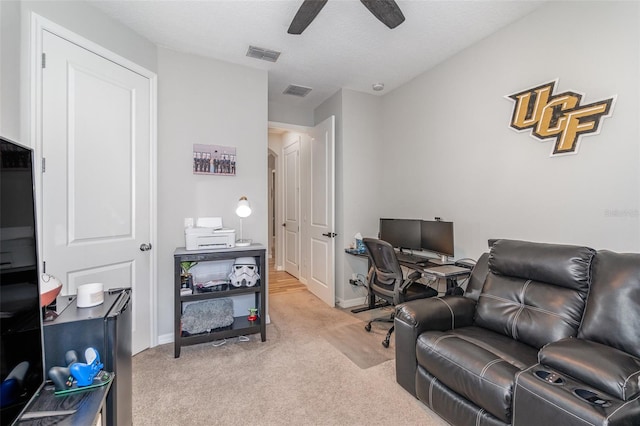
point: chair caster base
(368, 327)
(385, 343)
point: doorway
(304, 212)
(98, 189)
(282, 136)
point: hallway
(282, 282)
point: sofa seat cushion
(477, 364)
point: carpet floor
(318, 367)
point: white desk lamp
(243, 210)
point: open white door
(322, 212)
(292, 209)
(96, 188)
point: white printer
(209, 234)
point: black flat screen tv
(21, 347)
(437, 237)
(401, 233)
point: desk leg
(452, 287)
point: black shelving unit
(241, 324)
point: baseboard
(165, 338)
(350, 303)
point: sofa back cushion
(612, 314)
(534, 292)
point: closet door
(96, 135)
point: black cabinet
(241, 324)
(107, 328)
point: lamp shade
(244, 208)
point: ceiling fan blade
(387, 11)
(307, 13)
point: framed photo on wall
(214, 160)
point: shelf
(218, 254)
(241, 325)
(90, 405)
(231, 291)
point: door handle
(145, 247)
(284, 224)
(330, 234)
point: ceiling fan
(387, 12)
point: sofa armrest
(417, 316)
(602, 367)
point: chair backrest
(534, 292)
(612, 314)
(385, 276)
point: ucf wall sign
(558, 117)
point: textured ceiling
(344, 47)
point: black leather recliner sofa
(546, 334)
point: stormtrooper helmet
(244, 272)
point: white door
(322, 213)
(96, 184)
(292, 209)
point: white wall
(290, 114)
(448, 151)
(10, 101)
(206, 101)
(361, 164)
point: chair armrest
(602, 367)
(411, 278)
(417, 316)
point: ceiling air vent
(294, 90)
(264, 54)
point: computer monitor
(437, 237)
(401, 233)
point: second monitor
(437, 237)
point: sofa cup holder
(549, 377)
(591, 397)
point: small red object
(253, 314)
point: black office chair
(386, 281)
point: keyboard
(410, 258)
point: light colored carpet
(302, 375)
